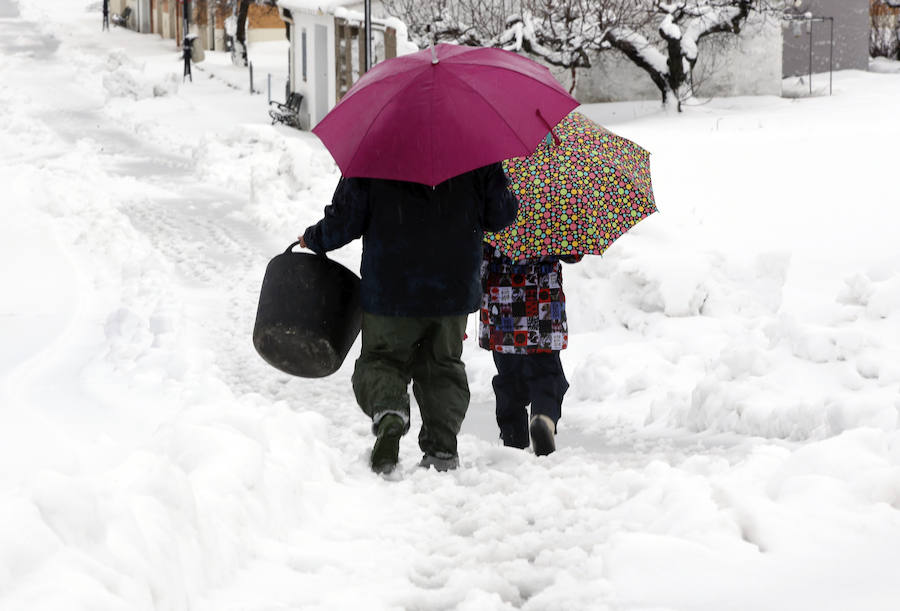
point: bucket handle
(291, 247)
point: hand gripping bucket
(308, 315)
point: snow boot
(543, 433)
(514, 438)
(446, 462)
(386, 451)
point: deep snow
(730, 439)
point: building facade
(884, 38)
(208, 19)
(327, 50)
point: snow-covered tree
(465, 22)
(661, 37)
(239, 9)
(568, 33)
(669, 54)
(563, 33)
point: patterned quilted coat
(523, 307)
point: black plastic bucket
(308, 315)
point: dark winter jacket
(523, 307)
(421, 245)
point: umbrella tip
(434, 57)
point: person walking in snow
(420, 280)
(186, 54)
(523, 324)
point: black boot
(387, 443)
(543, 433)
(514, 437)
(443, 462)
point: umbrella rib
(494, 108)
(412, 81)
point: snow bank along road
(730, 439)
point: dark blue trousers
(521, 379)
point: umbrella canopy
(432, 115)
(577, 195)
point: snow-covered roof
(318, 7)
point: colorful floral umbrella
(578, 192)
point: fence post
(251, 78)
(269, 87)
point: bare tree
(669, 54)
(659, 36)
(568, 33)
(464, 22)
(562, 33)
(240, 9)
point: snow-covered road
(730, 439)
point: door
(144, 16)
(320, 56)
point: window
(303, 52)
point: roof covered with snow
(316, 6)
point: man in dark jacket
(420, 280)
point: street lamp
(368, 14)
(186, 9)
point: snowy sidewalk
(730, 439)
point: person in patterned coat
(523, 324)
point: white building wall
(749, 64)
(264, 34)
(852, 26)
(316, 102)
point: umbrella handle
(547, 123)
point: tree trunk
(239, 53)
(672, 98)
(637, 55)
(677, 76)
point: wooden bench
(122, 20)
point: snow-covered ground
(730, 439)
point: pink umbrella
(432, 115)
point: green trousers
(426, 350)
